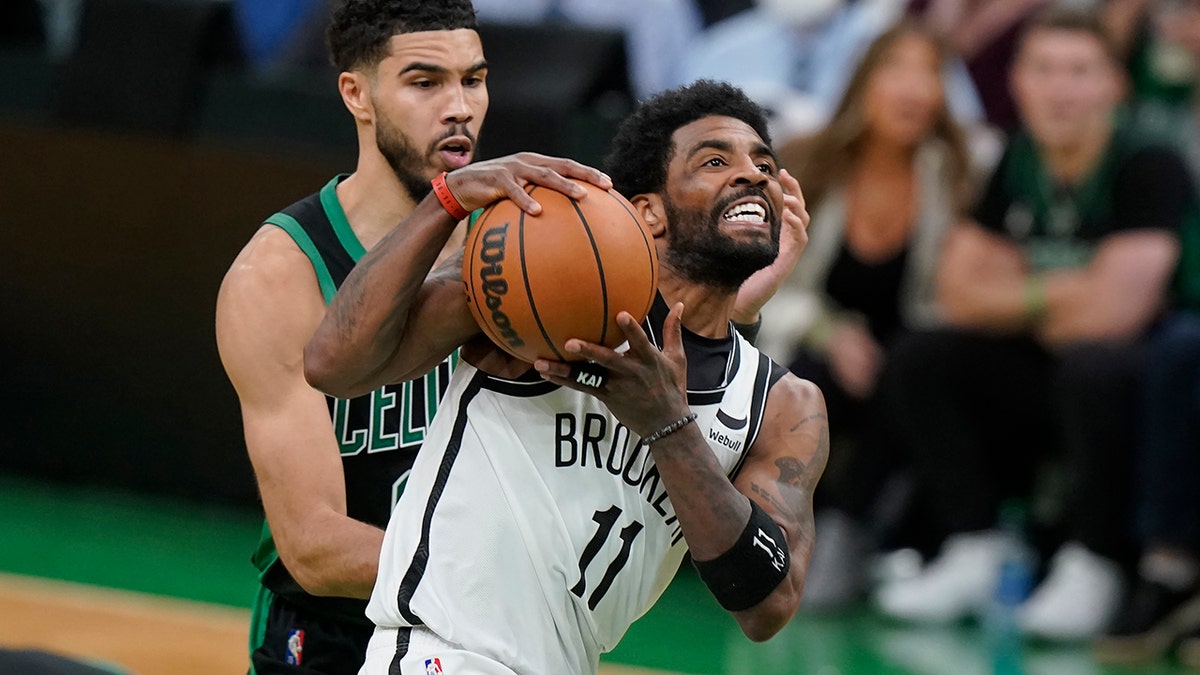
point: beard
(699, 252)
(409, 165)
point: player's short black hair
(641, 148)
(359, 30)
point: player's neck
(374, 200)
(706, 311)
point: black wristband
(749, 330)
(747, 573)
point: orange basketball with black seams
(533, 282)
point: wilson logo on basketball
(535, 281)
(495, 287)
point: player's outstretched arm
(267, 308)
(389, 322)
(751, 540)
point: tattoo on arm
(806, 420)
(344, 319)
(797, 480)
(449, 272)
(766, 494)
(791, 470)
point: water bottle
(1014, 582)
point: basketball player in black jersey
(413, 76)
(695, 162)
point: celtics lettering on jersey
(392, 417)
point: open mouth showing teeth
(746, 213)
(455, 148)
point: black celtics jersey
(378, 433)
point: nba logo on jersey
(433, 667)
(295, 647)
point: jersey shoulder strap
(319, 227)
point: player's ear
(356, 95)
(650, 208)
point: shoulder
(269, 302)
(270, 262)
(795, 433)
(791, 394)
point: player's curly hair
(359, 30)
(642, 146)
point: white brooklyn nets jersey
(535, 527)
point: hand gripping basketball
(645, 386)
(482, 183)
(535, 281)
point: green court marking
(120, 540)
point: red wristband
(446, 197)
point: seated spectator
(1177, 30)
(1161, 69)
(884, 181)
(1049, 292)
(796, 58)
(1154, 613)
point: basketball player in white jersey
(543, 516)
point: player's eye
(473, 81)
(715, 161)
(424, 84)
(767, 168)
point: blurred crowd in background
(1000, 297)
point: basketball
(533, 282)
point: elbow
(761, 623)
(318, 370)
(307, 570)
(322, 372)
(762, 630)
(310, 579)
(764, 621)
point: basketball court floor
(153, 586)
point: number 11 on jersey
(605, 522)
